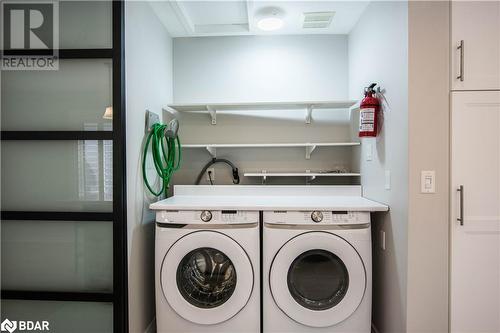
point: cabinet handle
(460, 189)
(461, 72)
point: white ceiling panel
(217, 12)
(185, 18)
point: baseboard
(375, 329)
(152, 326)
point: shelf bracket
(264, 177)
(212, 151)
(309, 179)
(309, 113)
(213, 114)
(309, 150)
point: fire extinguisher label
(367, 120)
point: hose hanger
(166, 152)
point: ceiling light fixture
(270, 18)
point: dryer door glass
(206, 277)
(318, 280)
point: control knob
(317, 216)
(206, 216)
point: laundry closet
(282, 106)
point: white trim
(181, 13)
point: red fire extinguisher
(369, 113)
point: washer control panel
(316, 217)
(207, 216)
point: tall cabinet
(475, 45)
(475, 167)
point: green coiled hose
(165, 157)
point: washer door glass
(206, 277)
(318, 279)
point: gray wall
(378, 51)
(266, 68)
(149, 86)
(260, 68)
(429, 122)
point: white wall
(260, 68)
(266, 68)
(148, 50)
(429, 122)
(378, 52)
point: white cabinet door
(475, 24)
(475, 242)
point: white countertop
(193, 202)
(257, 198)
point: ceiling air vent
(317, 20)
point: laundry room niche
(277, 143)
(281, 105)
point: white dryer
(207, 271)
(317, 272)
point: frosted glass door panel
(57, 256)
(63, 317)
(85, 24)
(57, 175)
(74, 97)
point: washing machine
(207, 271)
(317, 271)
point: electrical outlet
(151, 119)
(212, 173)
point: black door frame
(119, 296)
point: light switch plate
(387, 185)
(369, 151)
(428, 181)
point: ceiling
(186, 18)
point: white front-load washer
(207, 271)
(317, 272)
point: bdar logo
(24, 325)
(9, 326)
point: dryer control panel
(207, 216)
(316, 217)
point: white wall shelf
(309, 147)
(308, 106)
(310, 175)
